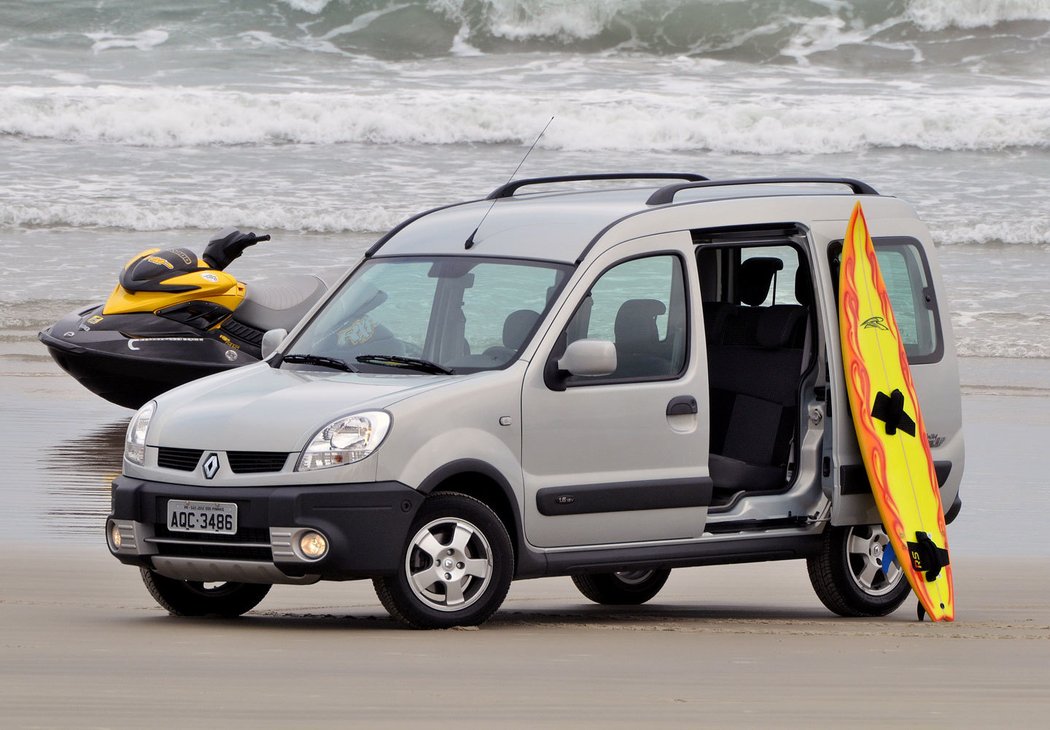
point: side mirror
(589, 357)
(271, 341)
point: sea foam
(167, 216)
(762, 124)
(933, 15)
(142, 41)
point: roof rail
(667, 194)
(507, 190)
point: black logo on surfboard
(875, 323)
(890, 410)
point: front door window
(640, 306)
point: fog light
(114, 536)
(313, 545)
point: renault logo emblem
(210, 466)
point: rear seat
(755, 358)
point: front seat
(516, 328)
(637, 339)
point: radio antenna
(470, 239)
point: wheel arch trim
(487, 479)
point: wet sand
(83, 645)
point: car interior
(757, 304)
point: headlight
(135, 442)
(345, 441)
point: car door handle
(682, 405)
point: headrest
(516, 327)
(636, 322)
(755, 277)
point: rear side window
(907, 276)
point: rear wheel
(191, 598)
(625, 588)
(455, 569)
(848, 574)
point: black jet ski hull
(130, 370)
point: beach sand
(83, 645)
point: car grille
(250, 543)
(175, 549)
(241, 462)
(256, 462)
(181, 459)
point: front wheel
(191, 598)
(625, 588)
(456, 567)
(848, 574)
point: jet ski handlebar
(228, 245)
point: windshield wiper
(397, 361)
(326, 362)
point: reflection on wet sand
(78, 478)
(60, 458)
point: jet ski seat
(280, 302)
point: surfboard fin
(927, 557)
(920, 611)
(889, 557)
(890, 410)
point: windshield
(436, 314)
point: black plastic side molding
(624, 497)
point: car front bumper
(365, 526)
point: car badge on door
(210, 466)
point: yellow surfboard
(889, 425)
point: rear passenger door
(623, 457)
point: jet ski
(174, 317)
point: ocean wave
(966, 346)
(143, 41)
(269, 215)
(520, 20)
(1033, 231)
(265, 215)
(934, 31)
(935, 15)
(667, 21)
(985, 332)
(793, 28)
(763, 124)
(308, 6)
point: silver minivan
(598, 376)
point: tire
(189, 598)
(456, 566)
(847, 574)
(624, 588)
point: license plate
(213, 517)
